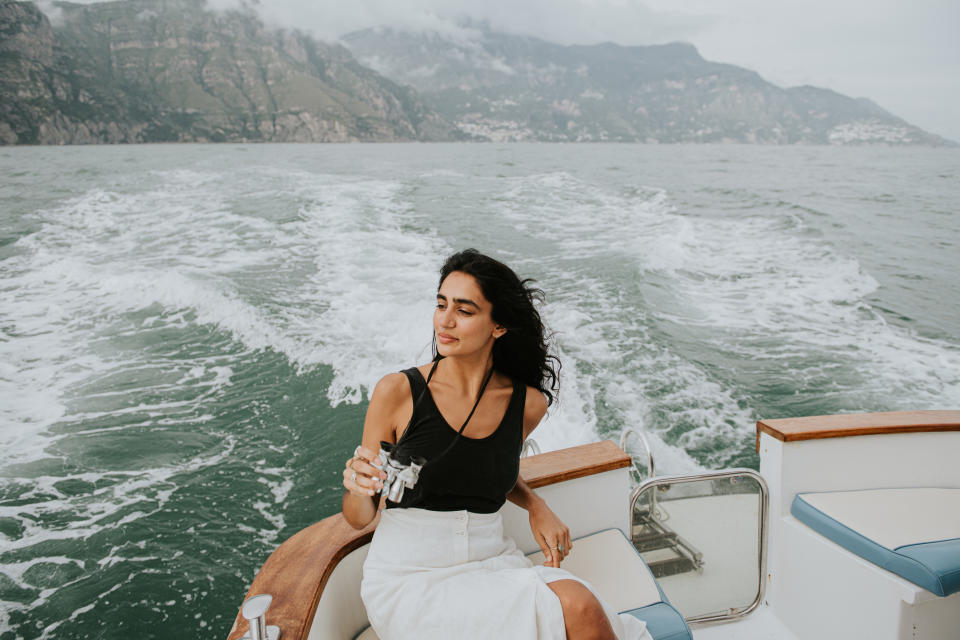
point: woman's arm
(388, 401)
(523, 496)
(548, 530)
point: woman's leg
(583, 615)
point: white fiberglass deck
(761, 624)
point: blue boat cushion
(914, 533)
(663, 621)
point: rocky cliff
(505, 87)
(171, 70)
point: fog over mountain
(902, 55)
(497, 86)
(178, 70)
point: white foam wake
(761, 290)
(331, 283)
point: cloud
(53, 12)
(564, 21)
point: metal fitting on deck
(254, 609)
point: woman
(439, 565)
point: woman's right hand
(360, 477)
(389, 400)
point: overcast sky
(903, 55)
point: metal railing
(530, 448)
(623, 445)
(684, 548)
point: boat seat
(914, 532)
(610, 563)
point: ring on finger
(353, 477)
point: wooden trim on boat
(296, 573)
(858, 424)
(574, 462)
(298, 570)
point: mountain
(174, 70)
(496, 86)
(171, 70)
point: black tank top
(477, 473)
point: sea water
(189, 334)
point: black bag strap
(416, 403)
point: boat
(850, 529)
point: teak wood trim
(574, 462)
(858, 424)
(298, 570)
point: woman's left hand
(550, 533)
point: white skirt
(453, 574)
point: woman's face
(462, 321)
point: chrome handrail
(530, 445)
(643, 439)
(764, 514)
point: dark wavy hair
(522, 353)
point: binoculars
(403, 472)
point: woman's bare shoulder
(534, 409)
(391, 389)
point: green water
(189, 332)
